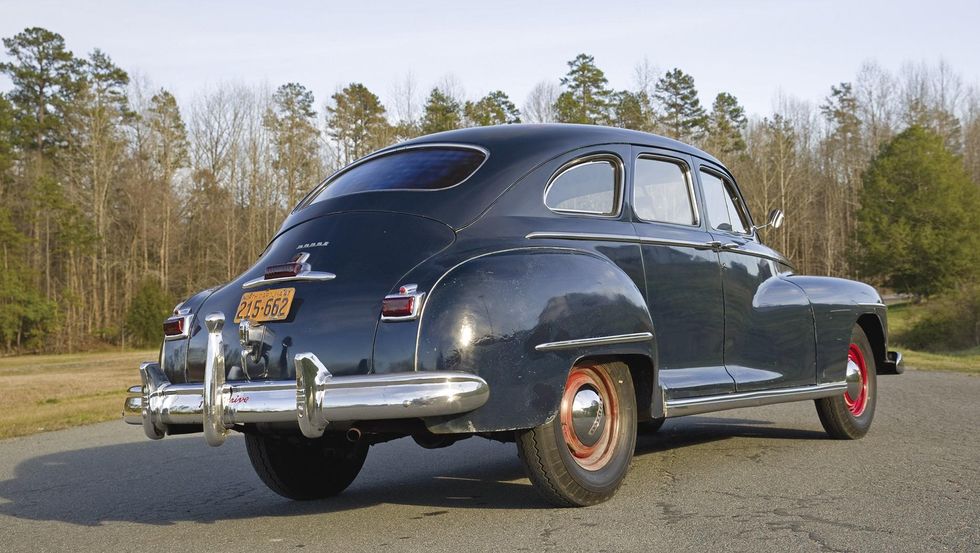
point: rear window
(411, 169)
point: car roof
(556, 136)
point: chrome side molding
(598, 341)
(708, 404)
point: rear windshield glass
(415, 169)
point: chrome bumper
(312, 400)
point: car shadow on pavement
(181, 479)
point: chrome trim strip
(620, 238)
(305, 276)
(215, 397)
(598, 341)
(708, 404)
(872, 304)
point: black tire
(651, 426)
(561, 477)
(839, 414)
(303, 469)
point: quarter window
(725, 211)
(591, 187)
(662, 192)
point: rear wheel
(848, 416)
(299, 468)
(581, 456)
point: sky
(753, 49)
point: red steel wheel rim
(596, 455)
(856, 405)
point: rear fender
(509, 316)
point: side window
(662, 192)
(590, 187)
(725, 212)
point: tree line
(115, 200)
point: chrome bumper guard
(313, 400)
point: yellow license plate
(266, 305)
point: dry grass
(50, 392)
(901, 318)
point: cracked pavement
(765, 478)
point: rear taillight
(177, 327)
(403, 306)
(291, 269)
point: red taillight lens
(174, 327)
(283, 270)
(398, 306)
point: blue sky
(752, 48)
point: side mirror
(775, 220)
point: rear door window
(425, 168)
(662, 192)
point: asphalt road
(765, 478)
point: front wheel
(581, 456)
(302, 469)
(848, 416)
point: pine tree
(917, 217)
(726, 123)
(633, 110)
(681, 114)
(295, 138)
(493, 109)
(586, 98)
(442, 112)
(356, 122)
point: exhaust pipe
(354, 435)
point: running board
(708, 404)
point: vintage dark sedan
(557, 286)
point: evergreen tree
(442, 112)
(586, 98)
(633, 110)
(726, 123)
(493, 109)
(149, 308)
(917, 216)
(356, 122)
(296, 139)
(681, 114)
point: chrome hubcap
(588, 416)
(853, 379)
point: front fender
(838, 304)
(487, 316)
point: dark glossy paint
(722, 320)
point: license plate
(265, 305)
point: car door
(769, 333)
(683, 278)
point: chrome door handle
(730, 246)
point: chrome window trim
(691, 194)
(595, 157)
(310, 198)
(597, 341)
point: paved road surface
(758, 479)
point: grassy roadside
(50, 392)
(901, 318)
